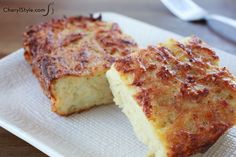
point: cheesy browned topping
(188, 98)
(77, 46)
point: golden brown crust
(183, 92)
(77, 46)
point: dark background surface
(12, 25)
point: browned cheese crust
(183, 92)
(79, 46)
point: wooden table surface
(151, 11)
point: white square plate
(100, 132)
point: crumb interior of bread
(123, 97)
(74, 94)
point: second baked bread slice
(175, 95)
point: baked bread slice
(177, 98)
(70, 56)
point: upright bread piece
(177, 98)
(70, 56)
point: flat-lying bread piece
(70, 56)
(177, 98)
